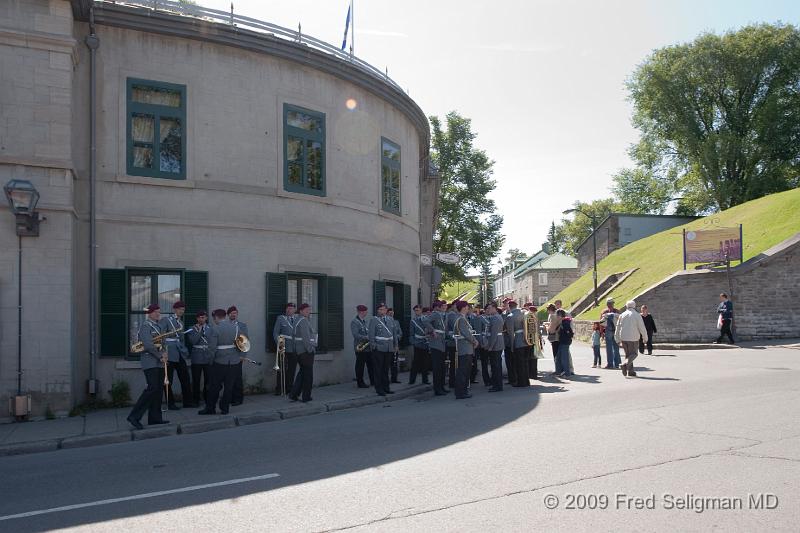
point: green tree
(571, 232)
(637, 190)
(486, 293)
(553, 238)
(467, 223)
(514, 255)
(719, 117)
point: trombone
(280, 362)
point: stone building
(539, 280)
(233, 165)
(619, 229)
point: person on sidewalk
(238, 385)
(629, 329)
(360, 331)
(598, 360)
(450, 346)
(152, 361)
(515, 322)
(609, 317)
(284, 325)
(465, 343)
(398, 334)
(650, 326)
(553, 323)
(565, 335)
(225, 368)
(177, 354)
(381, 342)
(419, 341)
(725, 312)
(201, 358)
(435, 329)
(493, 345)
(305, 339)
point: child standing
(596, 344)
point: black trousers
(473, 371)
(419, 365)
(450, 351)
(496, 360)
(380, 370)
(520, 358)
(305, 377)
(726, 330)
(284, 379)
(200, 373)
(555, 344)
(511, 367)
(183, 376)
(238, 386)
(533, 366)
(438, 367)
(649, 343)
(462, 375)
(395, 367)
(222, 376)
(483, 356)
(150, 398)
(363, 359)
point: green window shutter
(405, 315)
(195, 294)
(113, 312)
(277, 289)
(378, 294)
(334, 319)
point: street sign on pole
(448, 259)
(426, 260)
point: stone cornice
(39, 40)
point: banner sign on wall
(712, 245)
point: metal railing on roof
(240, 21)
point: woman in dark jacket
(650, 326)
(565, 334)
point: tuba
(242, 343)
(280, 353)
(530, 328)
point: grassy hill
(766, 222)
(453, 290)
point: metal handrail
(260, 26)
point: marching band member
(176, 353)
(515, 326)
(535, 349)
(419, 340)
(306, 343)
(450, 320)
(225, 368)
(435, 329)
(238, 385)
(465, 349)
(360, 331)
(153, 366)
(200, 356)
(481, 326)
(284, 379)
(494, 344)
(382, 342)
(398, 334)
(508, 339)
(474, 319)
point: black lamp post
(22, 198)
(594, 245)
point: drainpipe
(92, 43)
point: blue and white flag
(346, 27)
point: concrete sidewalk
(109, 426)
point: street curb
(350, 403)
(257, 418)
(28, 447)
(155, 433)
(96, 440)
(305, 410)
(697, 346)
(207, 425)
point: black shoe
(473, 382)
(173, 407)
(207, 412)
(425, 382)
(158, 423)
(306, 401)
(387, 391)
(293, 398)
(381, 394)
(394, 381)
(495, 389)
(440, 393)
(135, 423)
(464, 397)
(237, 403)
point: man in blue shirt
(725, 311)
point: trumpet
(362, 346)
(280, 361)
(138, 346)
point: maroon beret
(460, 304)
(512, 303)
(290, 304)
(152, 307)
(361, 308)
(218, 313)
(390, 309)
(426, 309)
(201, 312)
(179, 304)
(232, 308)
(381, 305)
(303, 306)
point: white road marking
(137, 497)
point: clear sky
(542, 81)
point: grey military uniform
(398, 333)
(176, 348)
(450, 320)
(435, 328)
(494, 339)
(200, 354)
(463, 337)
(360, 330)
(285, 326)
(419, 337)
(476, 323)
(382, 336)
(515, 322)
(304, 336)
(150, 358)
(221, 341)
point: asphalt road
(700, 430)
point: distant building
(619, 229)
(504, 280)
(539, 280)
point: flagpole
(352, 30)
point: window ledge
(146, 180)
